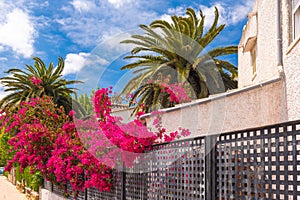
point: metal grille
(259, 164)
(136, 186)
(80, 195)
(172, 171)
(48, 185)
(59, 191)
(178, 171)
(114, 194)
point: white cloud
(166, 17)
(209, 13)
(32, 4)
(240, 11)
(120, 3)
(2, 93)
(113, 43)
(83, 5)
(82, 30)
(76, 62)
(229, 14)
(104, 19)
(18, 33)
(2, 48)
(180, 10)
(3, 59)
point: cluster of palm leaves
(178, 49)
(20, 86)
(85, 101)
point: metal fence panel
(178, 171)
(259, 163)
(48, 185)
(114, 194)
(58, 190)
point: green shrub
(27, 176)
(5, 174)
(19, 175)
(6, 152)
(33, 181)
(36, 181)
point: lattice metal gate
(261, 163)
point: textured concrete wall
(47, 195)
(291, 63)
(244, 58)
(267, 54)
(266, 41)
(266, 60)
(125, 114)
(244, 67)
(237, 110)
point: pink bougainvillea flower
(56, 145)
(72, 113)
(36, 81)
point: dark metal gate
(260, 163)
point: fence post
(123, 195)
(85, 190)
(210, 167)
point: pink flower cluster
(48, 142)
(81, 152)
(177, 92)
(129, 140)
(162, 133)
(36, 81)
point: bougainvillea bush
(82, 152)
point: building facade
(269, 77)
(270, 48)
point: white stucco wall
(291, 63)
(241, 109)
(244, 68)
(48, 195)
(266, 60)
(267, 53)
(266, 41)
(125, 114)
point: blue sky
(86, 33)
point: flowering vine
(80, 152)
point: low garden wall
(258, 105)
(48, 195)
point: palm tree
(152, 96)
(36, 81)
(178, 48)
(86, 102)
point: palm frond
(178, 46)
(20, 83)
